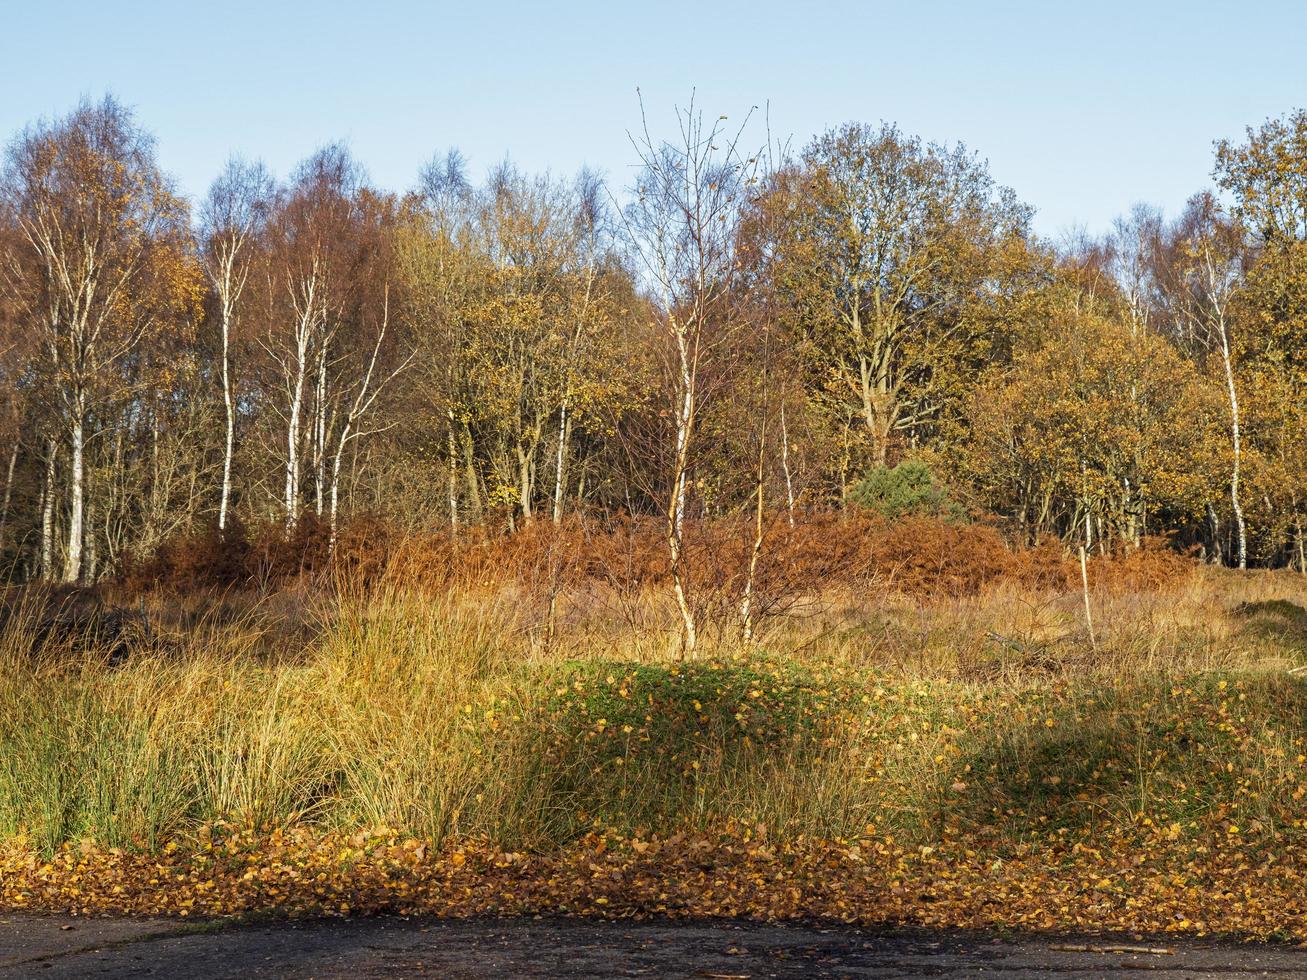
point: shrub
(279, 553)
(906, 489)
(916, 554)
(650, 745)
(363, 549)
(206, 557)
(1153, 565)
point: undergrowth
(990, 719)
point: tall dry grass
(459, 714)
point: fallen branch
(1142, 950)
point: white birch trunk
(785, 465)
(1240, 528)
(364, 398)
(292, 450)
(305, 318)
(452, 447)
(335, 485)
(229, 404)
(320, 431)
(561, 462)
(47, 512)
(9, 487)
(77, 499)
(676, 514)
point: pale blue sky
(1082, 108)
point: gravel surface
(55, 947)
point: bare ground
(56, 947)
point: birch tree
(369, 382)
(231, 228)
(102, 235)
(367, 358)
(681, 231)
(1208, 258)
(313, 251)
(1267, 176)
(1131, 246)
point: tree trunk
(746, 602)
(77, 501)
(1241, 531)
(293, 448)
(1218, 553)
(47, 511)
(564, 427)
(9, 487)
(229, 403)
(453, 476)
(320, 433)
(676, 509)
(470, 474)
(335, 486)
(785, 465)
(526, 483)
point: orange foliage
(922, 557)
(1140, 879)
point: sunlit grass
(457, 717)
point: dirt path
(50, 947)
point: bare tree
(681, 230)
(1131, 247)
(367, 388)
(313, 245)
(231, 224)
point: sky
(1084, 109)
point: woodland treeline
(743, 330)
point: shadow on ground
(55, 947)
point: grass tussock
(987, 716)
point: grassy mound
(438, 721)
(444, 725)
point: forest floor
(61, 946)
